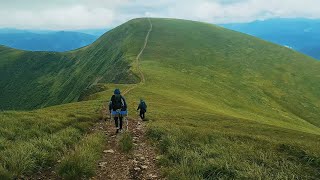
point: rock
(137, 169)
(144, 167)
(59, 161)
(138, 155)
(158, 157)
(152, 176)
(142, 158)
(135, 161)
(109, 151)
(103, 164)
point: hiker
(143, 109)
(118, 108)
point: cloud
(83, 14)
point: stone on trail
(137, 169)
(144, 167)
(108, 151)
(135, 161)
(103, 164)
(158, 157)
(153, 176)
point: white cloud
(77, 14)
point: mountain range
(299, 34)
(221, 104)
(45, 40)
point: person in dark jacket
(143, 109)
(117, 108)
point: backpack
(117, 102)
(143, 106)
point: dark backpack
(143, 106)
(117, 101)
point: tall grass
(126, 142)
(81, 163)
(33, 141)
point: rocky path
(140, 163)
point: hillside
(299, 34)
(221, 104)
(58, 78)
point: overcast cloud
(88, 14)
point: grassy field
(221, 105)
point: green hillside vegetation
(32, 80)
(222, 105)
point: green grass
(58, 78)
(224, 104)
(81, 163)
(126, 142)
(35, 140)
(221, 104)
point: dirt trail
(142, 78)
(140, 163)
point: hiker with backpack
(143, 109)
(118, 109)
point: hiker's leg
(141, 114)
(116, 122)
(121, 119)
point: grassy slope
(58, 78)
(221, 104)
(229, 105)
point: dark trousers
(142, 114)
(116, 120)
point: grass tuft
(4, 174)
(81, 162)
(126, 142)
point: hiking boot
(117, 131)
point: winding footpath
(140, 163)
(142, 78)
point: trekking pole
(127, 123)
(110, 115)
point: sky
(94, 14)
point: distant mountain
(94, 32)
(44, 40)
(299, 34)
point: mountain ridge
(221, 104)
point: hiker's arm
(110, 105)
(124, 102)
